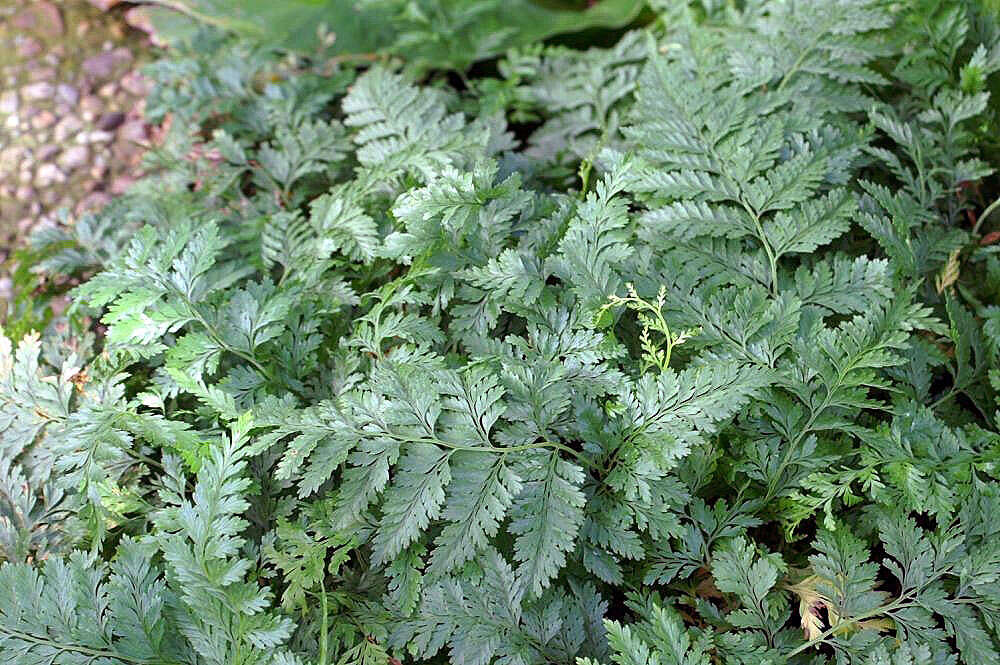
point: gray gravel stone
(109, 122)
(99, 66)
(66, 128)
(6, 288)
(43, 74)
(47, 152)
(43, 120)
(134, 131)
(67, 93)
(8, 102)
(48, 175)
(41, 17)
(28, 47)
(38, 91)
(96, 136)
(135, 84)
(10, 158)
(90, 106)
(74, 157)
(102, 66)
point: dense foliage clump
(681, 350)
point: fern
(679, 349)
(74, 611)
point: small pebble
(43, 120)
(133, 131)
(74, 157)
(139, 19)
(109, 122)
(6, 288)
(40, 90)
(99, 66)
(90, 106)
(50, 19)
(25, 20)
(67, 93)
(135, 84)
(49, 174)
(28, 48)
(66, 128)
(42, 17)
(10, 158)
(43, 74)
(47, 152)
(8, 102)
(96, 136)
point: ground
(71, 126)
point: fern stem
(807, 428)
(986, 213)
(813, 417)
(491, 449)
(772, 258)
(86, 651)
(217, 338)
(797, 65)
(324, 621)
(822, 637)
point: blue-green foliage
(701, 369)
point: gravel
(71, 126)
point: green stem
(822, 637)
(813, 416)
(819, 34)
(491, 449)
(986, 213)
(324, 625)
(217, 338)
(86, 651)
(772, 258)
